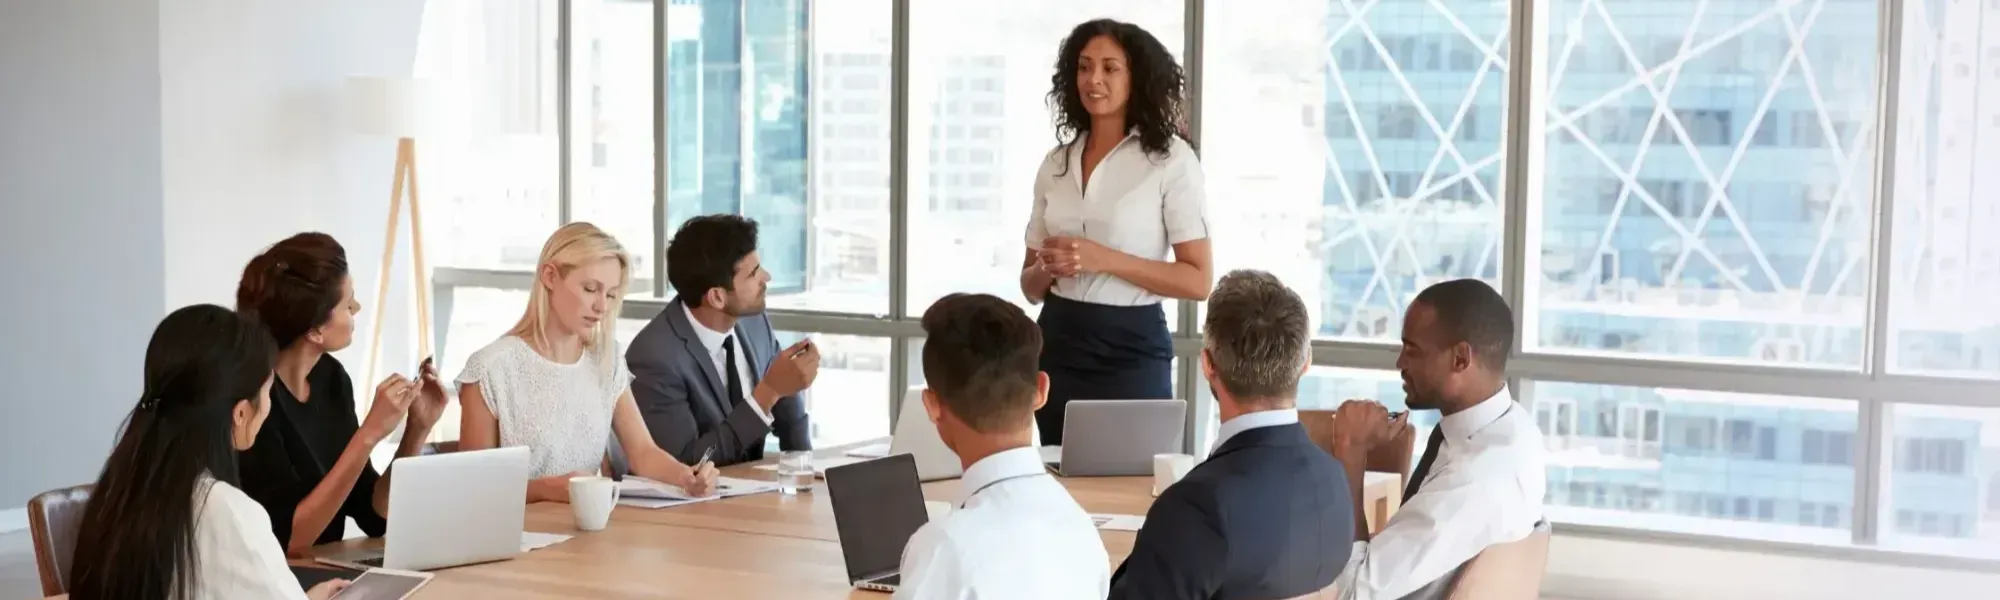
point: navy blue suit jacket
(1267, 516)
(679, 390)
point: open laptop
(447, 510)
(1117, 438)
(877, 506)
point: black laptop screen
(877, 506)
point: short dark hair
(981, 356)
(294, 285)
(1257, 332)
(703, 254)
(1470, 311)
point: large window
(490, 190)
(746, 84)
(611, 158)
(980, 126)
(1681, 460)
(1704, 180)
(849, 401)
(1946, 260)
(1355, 149)
(1943, 470)
(1755, 284)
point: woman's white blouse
(561, 412)
(239, 556)
(1136, 203)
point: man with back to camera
(1017, 533)
(1480, 480)
(707, 372)
(1267, 515)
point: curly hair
(1157, 107)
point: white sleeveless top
(561, 412)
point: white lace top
(561, 412)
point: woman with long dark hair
(311, 467)
(166, 518)
(1120, 221)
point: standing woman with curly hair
(1120, 221)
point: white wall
(147, 151)
(257, 144)
(79, 225)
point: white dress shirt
(1134, 203)
(712, 340)
(239, 556)
(1484, 488)
(1019, 534)
(1248, 421)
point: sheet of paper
(821, 463)
(1118, 522)
(535, 540)
(646, 493)
(870, 451)
(650, 503)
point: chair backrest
(53, 518)
(1510, 571)
(1393, 457)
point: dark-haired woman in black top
(310, 466)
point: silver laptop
(877, 506)
(917, 436)
(1118, 438)
(447, 510)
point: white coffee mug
(1169, 468)
(591, 499)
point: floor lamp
(397, 107)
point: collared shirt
(240, 558)
(1248, 421)
(712, 340)
(1485, 488)
(1135, 203)
(1019, 535)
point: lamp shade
(393, 106)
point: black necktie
(1424, 466)
(729, 370)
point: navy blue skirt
(1101, 352)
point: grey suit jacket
(680, 391)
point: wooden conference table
(750, 547)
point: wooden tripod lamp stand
(400, 108)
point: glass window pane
(741, 110)
(849, 402)
(979, 127)
(1944, 489)
(1359, 150)
(1325, 388)
(1665, 226)
(489, 189)
(1945, 260)
(1731, 464)
(611, 127)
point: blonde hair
(572, 246)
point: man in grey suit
(707, 371)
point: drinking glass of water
(795, 472)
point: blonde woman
(555, 383)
